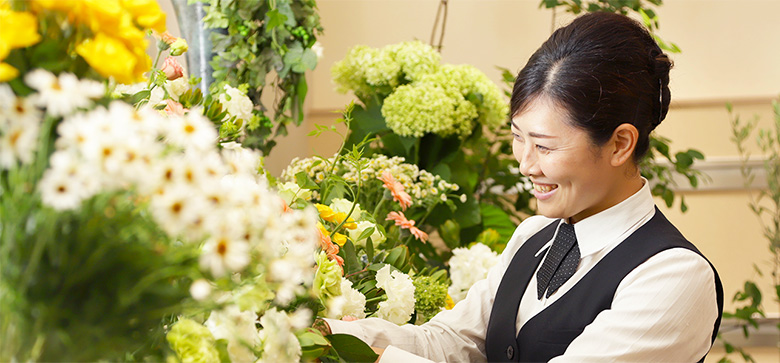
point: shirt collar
(601, 229)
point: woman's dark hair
(605, 70)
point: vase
(190, 17)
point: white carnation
(398, 286)
(177, 87)
(467, 266)
(350, 303)
(236, 103)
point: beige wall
(730, 52)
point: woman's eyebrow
(540, 136)
(532, 134)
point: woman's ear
(623, 141)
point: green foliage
(766, 206)
(110, 296)
(265, 41)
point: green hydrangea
(420, 95)
(366, 71)
(430, 297)
(327, 280)
(466, 82)
(192, 342)
(417, 109)
(415, 59)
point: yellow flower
(101, 15)
(326, 213)
(349, 224)
(7, 72)
(110, 58)
(56, 5)
(147, 13)
(339, 239)
(25, 29)
(449, 303)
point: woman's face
(572, 178)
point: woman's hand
(378, 351)
(321, 326)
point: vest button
(510, 352)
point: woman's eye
(517, 137)
(542, 148)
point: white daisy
(192, 130)
(241, 161)
(224, 253)
(61, 95)
(59, 190)
(176, 208)
(18, 109)
(18, 142)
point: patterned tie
(561, 261)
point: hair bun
(662, 65)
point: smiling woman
(601, 274)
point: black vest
(550, 332)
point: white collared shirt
(663, 311)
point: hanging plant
(269, 45)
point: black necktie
(560, 263)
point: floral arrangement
(130, 227)
(376, 255)
(447, 119)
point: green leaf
(470, 215)
(450, 233)
(305, 181)
(309, 59)
(274, 19)
(222, 344)
(140, 95)
(684, 161)
(351, 260)
(495, 218)
(367, 232)
(352, 349)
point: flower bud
(172, 68)
(178, 47)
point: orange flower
(330, 248)
(419, 234)
(396, 189)
(400, 220)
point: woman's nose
(528, 162)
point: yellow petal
(25, 29)
(339, 239)
(147, 13)
(7, 72)
(109, 57)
